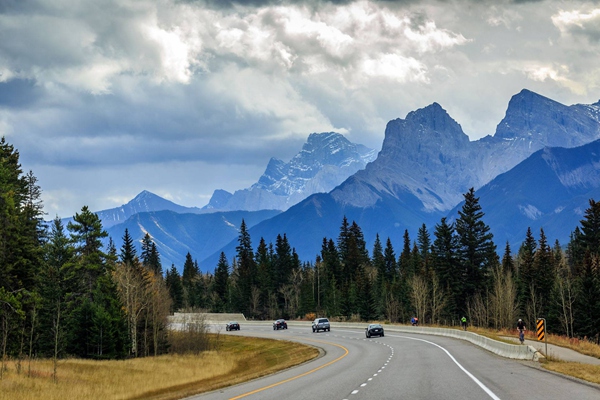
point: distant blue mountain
(549, 190)
(177, 234)
(145, 201)
(325, 161)
(425, 166)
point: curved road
(399, 366)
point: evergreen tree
(150, 256)
(405, 263)
(379, 262)
(543, 265)
(424, 243)
(189, 279)
(590, 228)
(56, 288)
(21, 225)
(128, 251)
(390, 261)
(283, 263)
(587, 242)
(508, 264)
(220, 283)
(446, 265)
(97, 327)
(477, 251)
(246, 270)
(173, 281)
(343, 239)
(86, 234)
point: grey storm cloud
(203, 93)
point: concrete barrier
(513, 351)
(207, 318)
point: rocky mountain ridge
(325, 161)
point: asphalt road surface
(400, 366)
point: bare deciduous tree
(503, 298)
(419, 293)
(392, 308)
(477, 310)
(564, 286)
(255, 300)
(131, 284)
(438, 299)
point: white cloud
(566, 20)
(396, 67)
(113, 85)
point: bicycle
(522, 335)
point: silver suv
(321, 324)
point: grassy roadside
(237, 359)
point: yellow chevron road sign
(541, 328)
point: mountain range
(325, 161)
(539, 169)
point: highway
(399, 366)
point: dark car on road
(279, 324)
(232, 326)
(374, 330)
(321, 324)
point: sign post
(541, 332)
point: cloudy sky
(106, 98)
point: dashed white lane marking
(381, 368)
(470, 375)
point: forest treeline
(440, 276)
(63, 294)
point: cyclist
(521, 328)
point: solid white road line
(477, 381)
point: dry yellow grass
(587, 372)
(166, 377)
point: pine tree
(587, 242)
(379, 262)
(175, 288)
(246, 270)
(150, 256)
(21, 225)
(477, 251)
(543, 265)
(189, 279)
(508, 264)
(405, 263)
(56, 285)
(424, 243)
(128, 251)
(446, 265)
(220, 283)
(86, 234)
(390, 261)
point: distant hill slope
(145, 201)
(177, 234)
(549, 190)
